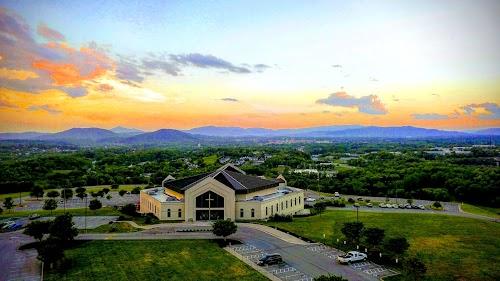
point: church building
(227, 193)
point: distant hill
(263, 132)
(230, 131)
(489, 132)
(327, 131)
(21, 136)
(394, 132)
(162, 136)
(80, 134)
(123, 130)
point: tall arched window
(168, 213)
(253, 213)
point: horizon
(246, 128)
(182, 65)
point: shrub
(122, 192)
(150, 219)
(350, 200)
(437, 204)
(281, 218)
(53, 194)
(224, 228)
(329, 278)
(129, 210)
(136, 190)
(115, 186)
(368, 200)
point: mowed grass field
(453, 248)
(480, 210)
(153, 260)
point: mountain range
(129, 136)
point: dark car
(270, 259)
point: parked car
(394, 206)
(382, 205)
(270, 259)
(310, 199)
(401, 206)
(336, 194)
(34, 216)
(352, 256)
(407, 206)
(421, 207)
(360, 199)
(369, 205)
(8, 224)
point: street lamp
(357, 211)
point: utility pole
(85, 227)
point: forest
(379, 169)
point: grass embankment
(106, 211)
(453, 248)
(116, 227)
(153, 260)
(481, 210)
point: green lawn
(480, 210)
(153, 260)
(117, 227)
(210, 160)
(106, 211)
(453, 248)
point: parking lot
(367, 267)
(283, 271)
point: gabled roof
(228, 175)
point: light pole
(357, 211)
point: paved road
(16, 264)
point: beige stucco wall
(174, 208)
(209, 184)
(289, 207)
(148, 204)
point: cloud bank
(370, 104)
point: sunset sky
(273, 64)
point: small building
(227, 193)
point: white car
(382, 205)
(336, 194)
(352, 256)
(310, 199)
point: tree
(329, 278)
(63, 228)
(81, 195)
(95, 204)
(319, 207)
(37, 229)
(49, 205)
(109, 197)
(50, 251)
(224, 228)
(374, 236)
(129, 209)
(115, 186)
(66, 193)
(105, 190)
(53, 194)
(136, 190)
(396, 246)
(8, 203)
(37, 192)
(122, 192)
(409, 201)
(414, 269)
(352, 231)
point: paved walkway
(16, 264)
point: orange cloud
(13, 74)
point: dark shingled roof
(228, 176)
